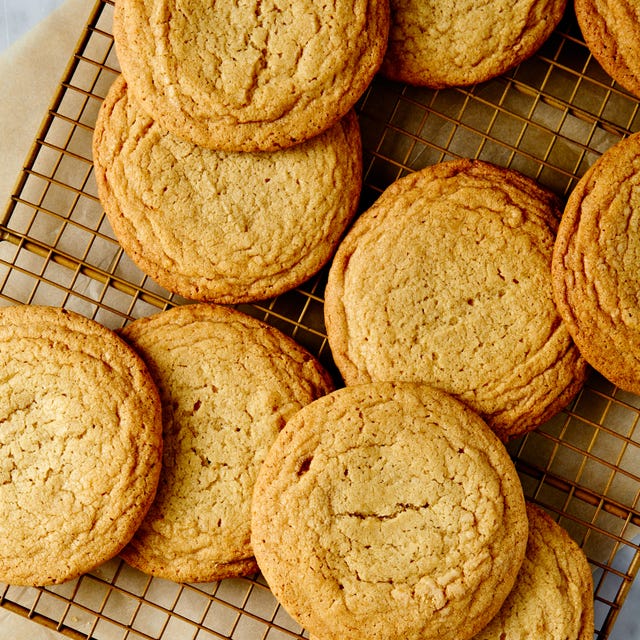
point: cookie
(80, 444)
(390, 511)
(611, 30)
(228, 384)
(446, 279)
(249, 76)
(553, 594)
(443, 44)
(595, 265)
(218, 226)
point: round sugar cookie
(446, 279)
(611, 30)
(596, 264)
(249, 76)
(80, 444)
(389, 511)
(217, 226)
(439, 44)
(553, 594)
(228, 384)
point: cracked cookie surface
(455, 43)
(389, 510)
(228, 384)
(611, 30)
(217, 226)
(80, 444)
(553, 594)
(446, 279)
(596, 263)
(248, 76)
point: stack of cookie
(228, 161)
(145, 444)
(228, 156)
(392, 511)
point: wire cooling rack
(549, 118)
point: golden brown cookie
(444, 43)
(249, 76)
(596, 265)
(553, 594)
(446, 279)
(611, 30)
(389, 511)
(217, 226)
(80, 444)
(228, 384)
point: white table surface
(17, 19)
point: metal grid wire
(549, 118)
